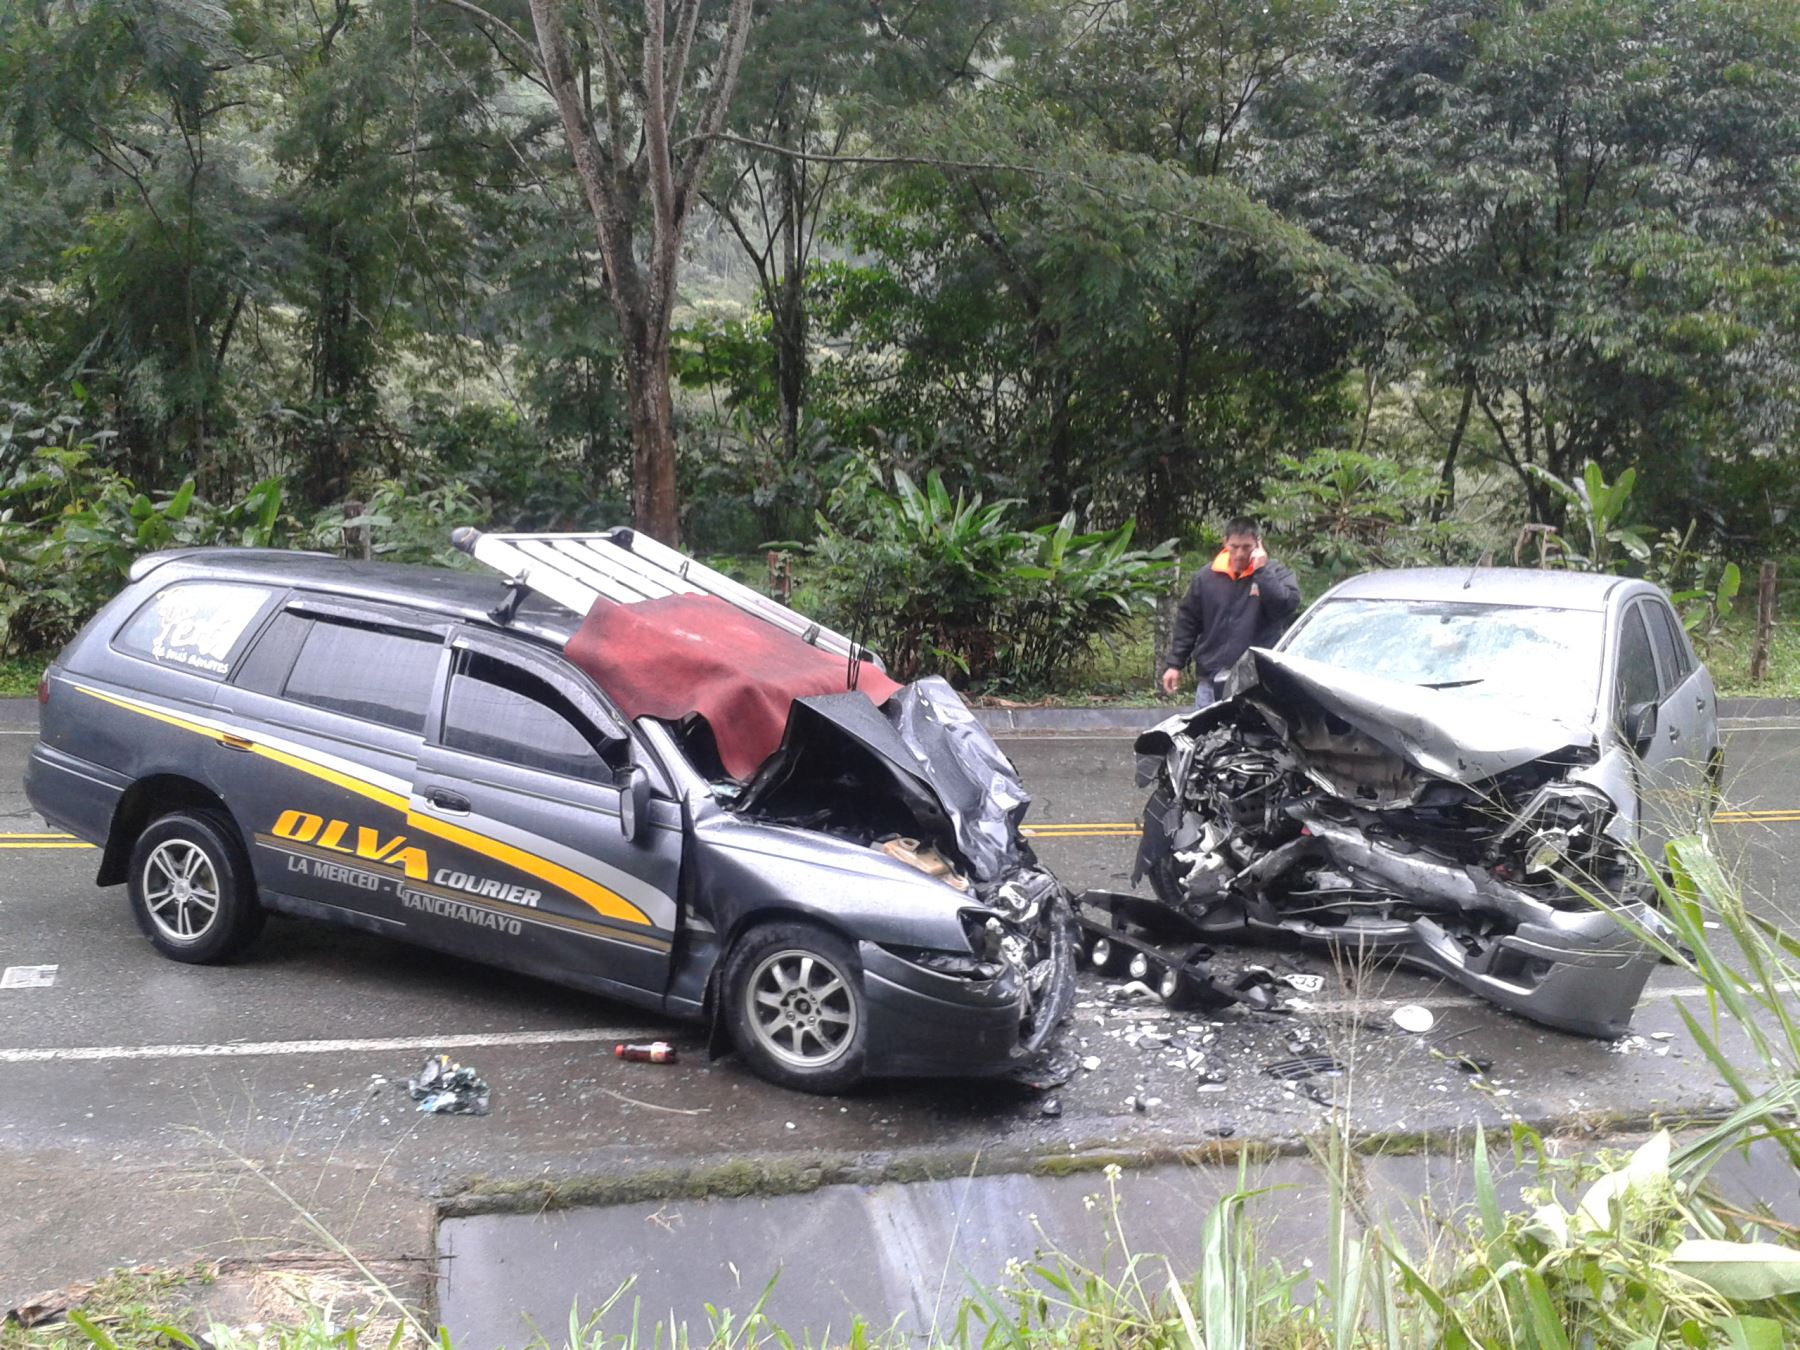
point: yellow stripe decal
(35, 834)
(597, 897)
(51, 843)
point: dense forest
(1393, 272)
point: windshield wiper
(1453, 684)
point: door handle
(1674, 733)
(450, 802)
(1700, 704)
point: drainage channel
(904, 1255)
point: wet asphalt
(151, 1112)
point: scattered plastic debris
(1090, 1062)
(1303, 1066)
(445, 1088)
(28, 977)
(1305, 984)
(1052, 1107)
(1411, 1017)
(648, 1052)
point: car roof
(467, 596)
(1488, 586)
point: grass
(19, 675)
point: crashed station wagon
(1463, 770)
(608, 766)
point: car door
(327, 714)
(1661, 774)
(523, 788)
(1686, 708)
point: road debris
(1052, 1107)
(648, 1052)
(1411, 1017)
(445, 1088)
(1302, 1066)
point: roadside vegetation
(1623, 1248)
(981, 339)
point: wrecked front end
(920, 795)
(1336, 808)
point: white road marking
(251, 1049)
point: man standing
(1243, 600)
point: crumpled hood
(1443, 733)
(922, 754)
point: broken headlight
(950, 963)
(1560, 833)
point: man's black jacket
(1221, 617)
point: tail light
(43, 689)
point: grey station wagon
(609, 767)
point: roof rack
(626, 567)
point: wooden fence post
(358, 540)
(1163, 629)
(1765, 623)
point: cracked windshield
(1499, 652)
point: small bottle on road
(650, 1052)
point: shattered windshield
(1547, 659)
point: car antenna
(1485, 560)
(859, 627)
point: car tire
(795, 1008)
(192, 889)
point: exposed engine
(1276, 815)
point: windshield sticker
(196, 626)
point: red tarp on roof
(686, 654)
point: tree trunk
(1445, 501)
(652, 412)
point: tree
(639, 151)
(1591, 205)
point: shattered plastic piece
(1135, 989)
(1303, 1066)
(445, 1088)
(1305, 984)
(1052, 1107)
(1049, 1068)
(1411, 1017)
(1090, 1062)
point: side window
(1635, 682)
(264, 668)
(193, 624)
(1662, 641)
(1663, 618)
(499, 711)
(377, 674)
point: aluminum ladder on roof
(627, 567)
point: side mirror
(634, 802)
(1640, 725)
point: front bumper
(926, 1023)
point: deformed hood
(1444, 733)
(845, 762)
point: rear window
(196, 625)
(376, 674)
